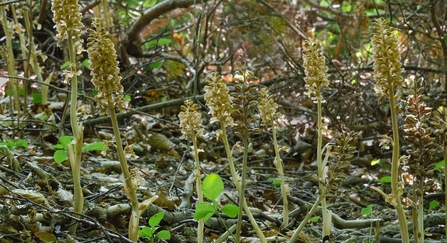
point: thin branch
(133, 35)
(176, 102)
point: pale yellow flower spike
(218, 100)
(190, 119)
(315, 69)
(387, 65)
(104, 66)
(388, 77)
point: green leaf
(164, 235)
(433, 204)
(10, 144)
(127, 98)
(157, 43)
(57, 146)
(314, 219)
(186, 16)
(204, 210)
(3, 148)
(43, 117)
(147, 232)
(230, 210)
(156, 64)
(149, 3)
(65, 65)
(440, 166)
(60, 156)
(375, 161)
(132, 3)
(385, 179)
(275, 182)
(367, 210)
(98, 146)
(65, 140)
(37, 98)
(212, 186)
(156, 219)
(86, 63)
(21, 143)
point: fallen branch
(176, 102)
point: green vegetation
(8, 147)
(212, 188)
(61, 153)
(151, 232)
(249, 119)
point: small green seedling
(149, 231)
(61, 154)
(440, 166)
(212, 187)
(8, 148)
(314, 219)
(384, 179)
(433, 204)
(37, 98)
(11, 145)
(276, 182)
(382, 163)
(367, 210)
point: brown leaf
(45, 236)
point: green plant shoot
(149, 231)
(212, 187)
(61, 154)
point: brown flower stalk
(191, 125)
(67, 19)
(387, 74)
(105, 77)
(219, 102)
(317, 79)
(267, 109)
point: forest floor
(36, 192)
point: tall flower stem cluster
(317, 79)
(67, 19)
(345, 146)
(421, 150)
(387, 74)
(440, 125)
(191, 127)
(219, 102)
(267, 108)
(105, 77)
(244, 104)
